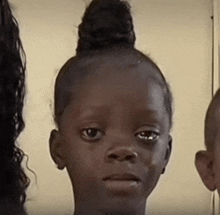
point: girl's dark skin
(113, 137)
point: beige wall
(177, 35)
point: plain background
(177, 34)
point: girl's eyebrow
(97, 107)
(96, 110)
(148, 111)
(92, 110)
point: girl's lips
(123, 185)
(122, 177)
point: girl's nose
(122, 154)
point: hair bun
(105, 23)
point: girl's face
(114, 138)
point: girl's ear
(168, 153)
(204, 166)
(56, 149)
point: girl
(13, 180)
(113, 113)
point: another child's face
(115, 137)
(208, 162)
(214, 127)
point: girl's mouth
(124, 184)
(122, 177)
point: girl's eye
(147, 135)
(92, 134)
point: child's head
(208, 162)
(114, 113)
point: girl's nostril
(129, 157)
(122, 155)
(113, 156)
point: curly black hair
(14, 181)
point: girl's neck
(106, 213)
(91, 211)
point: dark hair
(14, 181)
(106, 29)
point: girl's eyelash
(91, 134)
(148, 135)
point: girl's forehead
(135, 81)
(118, 84)
(115, 71)
(119, 88)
